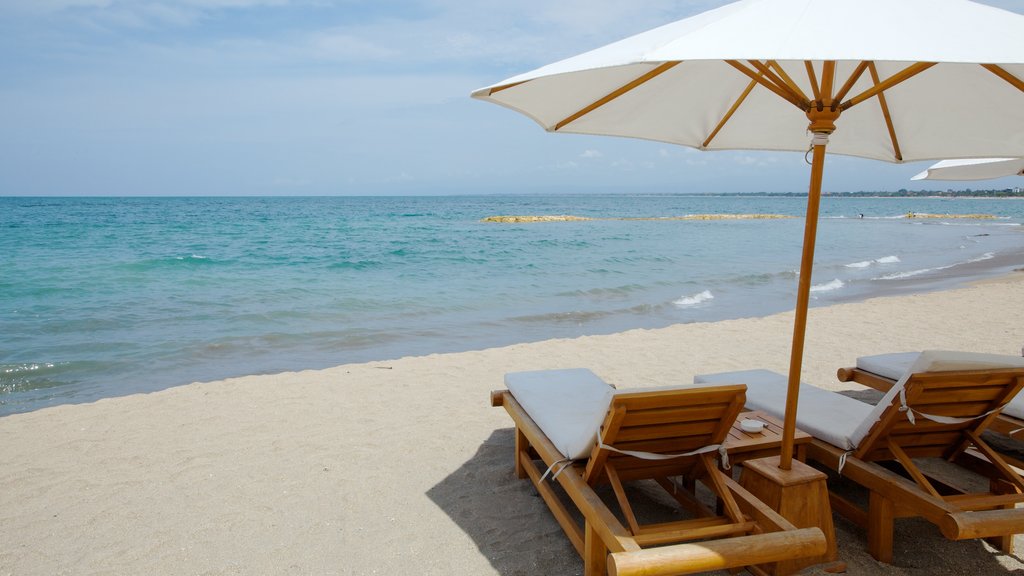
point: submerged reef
(567, 218)
(968, 216)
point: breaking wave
(694, 299)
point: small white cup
(752, 426)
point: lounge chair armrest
(845, 374)
(498, 397)
(719, 554)
(984, 524)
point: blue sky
(297, 97)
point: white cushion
(1015, 407)
(843, 421)
(900, 365)
(825, 415)
(891, 366)
(943, 361)
(568, 405)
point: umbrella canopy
(746, 64)
(973, 169)
(894, 80)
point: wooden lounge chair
(926, 414)
(586, 434)
(882, 371)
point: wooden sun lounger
(746, 533)
(1003, 424)
(974, 394)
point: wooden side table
(742, 446)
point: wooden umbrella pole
(822, 124)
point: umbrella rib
(760, 79)
(767, 72)
(1002, 73)
(885, 114)
(616, 93)
(850, 82)
(828, 78)
(905, 74)
(813, 78)
(728, 115)
(492, 91)
(788, 80)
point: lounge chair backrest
(568, 405)
(672, 421)
(938, 361)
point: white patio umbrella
(973, 169)
(895, 80)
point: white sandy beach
(402, 467)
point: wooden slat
(615, 94)
(953, 378)
(689, 396)
(985, 501)
(714, 521)
(980, 393)
(936, 438)
(702, 430)
(852, 374)
(676, 414)
(630, 472)
(666, 534)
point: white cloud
(591, 154)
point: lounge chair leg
(881, 518)
(595, 556)
(522, 445)
(1003, 543)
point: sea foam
(694, 299)
(866, 263)
(828, 286)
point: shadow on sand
(504, 515)
(515, 531)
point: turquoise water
(108, 296)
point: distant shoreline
(975, 194)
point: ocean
(104, 297)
